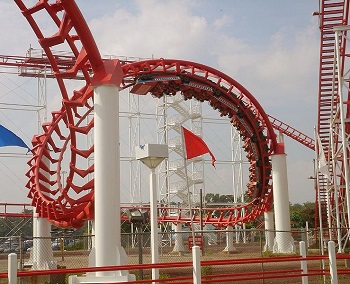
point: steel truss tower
(172, 113)
(338, 148)
(333, 127)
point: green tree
(302, 213)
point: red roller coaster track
(34, 64)
(332, 14)
(72, 204)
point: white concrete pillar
(179, 244)
(238, 233)
(108, 249)
(229, 240)
(269, 231)
(283, 240)
(92, 255)
(41, 253)
(244, 232)
(107, 176)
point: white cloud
(221, 22)
(152, 31)
(16, 35)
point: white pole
(42, 254)
(283, 241)
(269, 231)
(154, 224)
(12, 268)
(229, 239)
(197, 277)
(238, 233)
(332, 262)
(42, 249)
(307, 234)
(179, 244)
(92, 254)
(303, 263)
(244, 229)
(107, 176)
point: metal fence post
(12, 268)
(332, 262)
(303, 263)
(197, 277)
(140, 244)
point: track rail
(332, 13)
(292, 133)
(71, 204)
(36, 64)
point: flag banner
(8, 138)
(195, 146)
(322, 164)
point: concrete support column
(238, 233)
(107, 177)
(92, 256)
(41, 253)
(283, 240)
(229, 240)
(108, 250)
(179, 244)
(269, 231)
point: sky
(270, 47)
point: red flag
(195, 146)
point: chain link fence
(73, 251)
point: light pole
(152, 155)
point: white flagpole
(187, 185)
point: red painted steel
(214, 278)
(19, 210)
(197, 240)
(292, 133)
(195, 81)
(33, 66)
(70, 205)
(332, 13)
